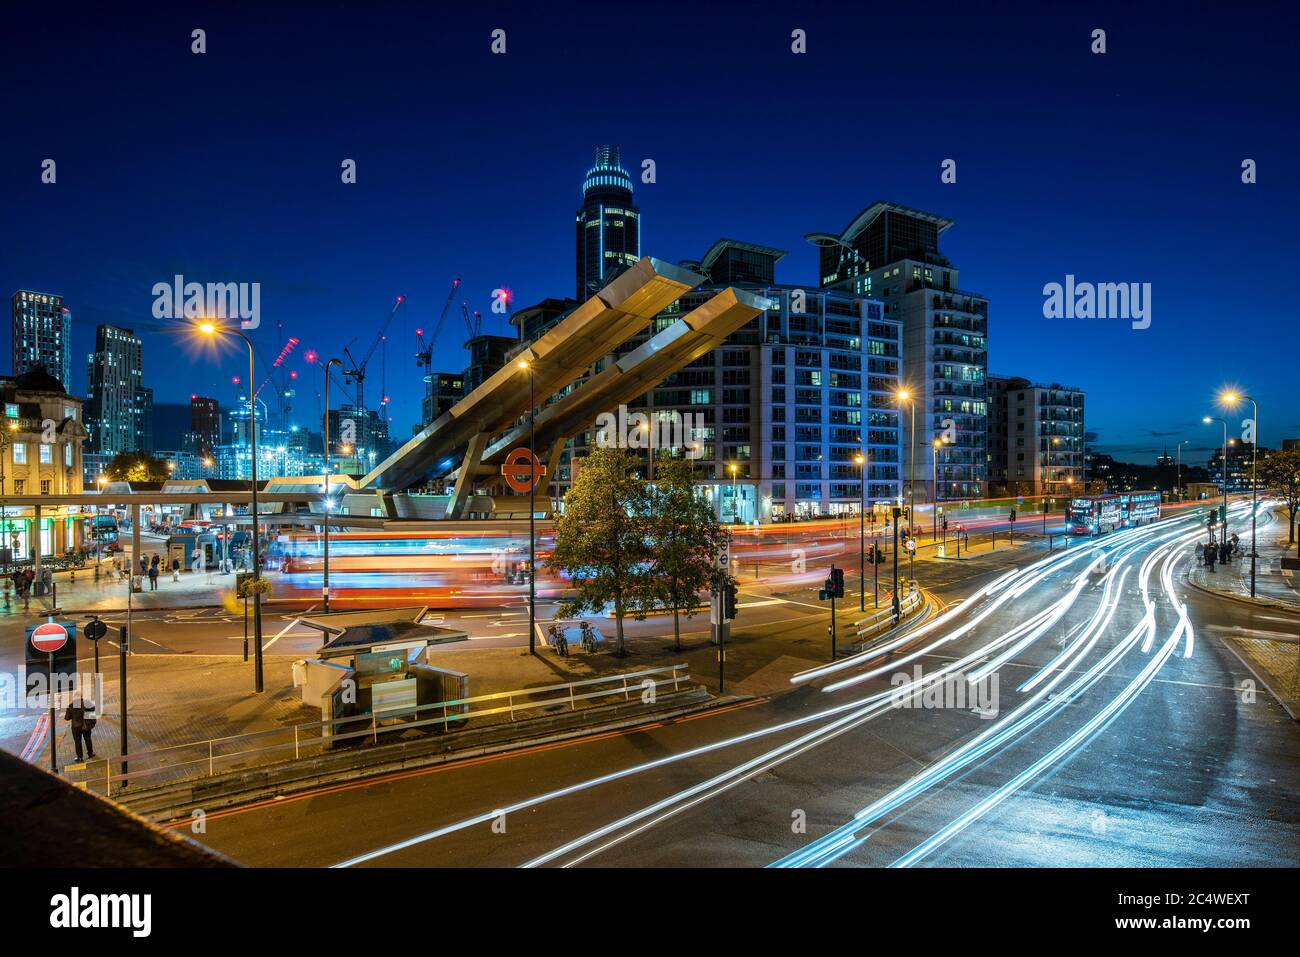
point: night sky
(1123, 167)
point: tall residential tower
(42, 335)
(891, 253)
(119, 409)
(608, 225)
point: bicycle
(588, 638)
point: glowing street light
(209, 328)
(1232, 399)
(1223, 521)
(526, 366)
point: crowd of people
(1221, 552)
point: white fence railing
(200, 759)
(866, 627)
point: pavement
(188, 680)
(1268, 641)
(1103, 748)
(1274, 584)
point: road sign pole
(722, 655)
(897, 611)
(832, 617)
(54, 740)
(122, 636)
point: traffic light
(1012, 516)
(837, 582)
(728, 602)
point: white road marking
(279, 636)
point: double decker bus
(102, 529)
(1106, 513)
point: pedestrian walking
(1209, 557)
(81, 718)
(176, 569)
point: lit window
(20, 453)
(47, 454)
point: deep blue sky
(225, 167)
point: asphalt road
(1139, 742)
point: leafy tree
(1280, 471)
(137, 467)
(602, 543)
(687, 539)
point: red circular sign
(522, 470)
(49, 637)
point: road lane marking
(279, 636)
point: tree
(137, 467)
(602, 543)
(687, 539)
(1281, 471)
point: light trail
(853, 713)
(726, 780)
(1019, 722)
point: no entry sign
(49, 637)
(522, 470)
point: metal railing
(868, 626)
(201, 759)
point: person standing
(81, 718)
(153, 576)
(176, 569)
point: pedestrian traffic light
(837, 582)
(1012, 516)
(728, 602)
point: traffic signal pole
(897, 609)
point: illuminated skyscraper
(608, 225)
(43, 335)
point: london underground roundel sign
(49, 637)
(522, 470)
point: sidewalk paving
(109, 593)
(1277, 662)
(1273, 584)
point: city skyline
(661, 439)
(330, 261)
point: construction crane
(358, 372)
(424, 358)
(474, 326)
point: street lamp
(4, 529)
(325, 584)
(532, 517)
(934, 468)
(862, 535)
(1180, 468)
(1223, 521)
(209, 328)
(1231, 400)
(905, 396)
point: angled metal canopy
(564, 353)
(694, 335)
